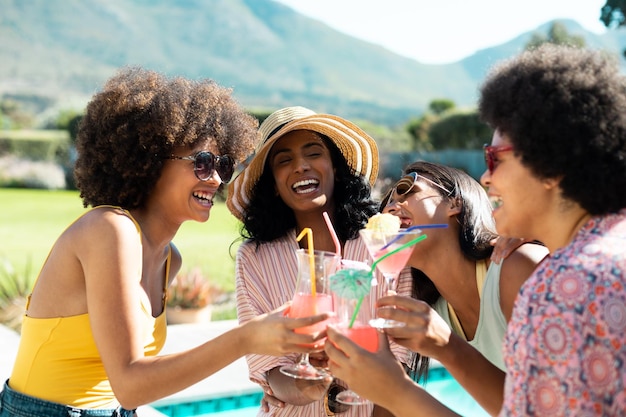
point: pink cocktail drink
(395, 263)
(390, 252)
(306, 305)
(363, 335)
(311, 297)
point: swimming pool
(245, 405)
(440, 384)
(444, 387)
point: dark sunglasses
(490, 155)
(407, 182)
(204, 163)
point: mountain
(55, 54)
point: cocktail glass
(312, 296)
(379, 244)
(353, 320)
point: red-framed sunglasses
(490, 155)
(204, 163)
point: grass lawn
(31, 221)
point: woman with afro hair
(152, 153)
(556, 173)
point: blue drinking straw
(416, 227)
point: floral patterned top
(565, 349)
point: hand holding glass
(390, 252)
(353, 318)
(312, 296)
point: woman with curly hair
(556, 173)
(306, 164)
(152, 153)
(557, 170)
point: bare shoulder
(530, 252)
(520, 264)
(89, 249)
(103, 219)
(102, 226)
(106, 217)
(516, 269)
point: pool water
(444, 387)
(245, 405)
(440, 385)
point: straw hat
(356, 146)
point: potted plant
(14, 290)
(190, 297)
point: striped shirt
(265, 280)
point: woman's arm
(380, 378)
(427, 333)
(113, 264)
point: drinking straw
(309, 233)
(398, 249)
(427, 226)
(333, 234)
(356, 311)
(352, 283)
(388, 254)
(416, 227)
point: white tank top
(491, 321)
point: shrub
(37, 145)
(22, 173)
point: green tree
(612, 13)
(440, 106)
(63, 119)
(419, 127)
(558, 35)
(459, 130)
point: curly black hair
(564, 110)
(269, 218)
(476, 230)
(133, 124)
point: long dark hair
(477, 229)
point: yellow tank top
(58, 361)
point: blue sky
(436, 31)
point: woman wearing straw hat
(306, 164)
